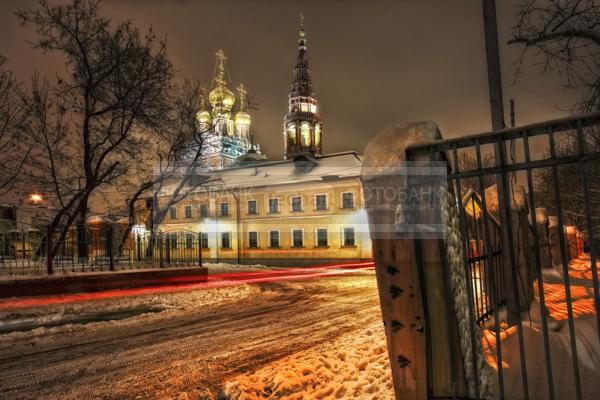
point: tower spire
(221, 98)
(302, 34)
(302, 124)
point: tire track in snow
(229, 339)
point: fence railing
(483, 258)
(90, 248)
(533, 294)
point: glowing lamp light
(138, 229)
(36, 198)
(473, 209)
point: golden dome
(203, 117)
(242, 118)
(221, 96)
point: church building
(306, 209)
(225, 122)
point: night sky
(374, 63)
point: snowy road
(164, 354)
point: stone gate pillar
(412, 278)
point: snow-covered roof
(300, 170)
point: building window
(204, 210)
(226, 240)
(253, 240)
(204, 240)
(318, 135)
(349, 237)
(321, 202)
(274, 239)
(305, 134)
(322, 238)
(348, 200)
(273, 206)
(297, 238)
(173, 212)
(224, 209)
(297, 204)
(189, 240)
(252, 208)
(291, 133)
(188, 211)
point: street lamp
(36, 198)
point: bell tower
(302, 127)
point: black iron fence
(529, 210)
(90, 248)
(484, 259)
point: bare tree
(176, 153)
(174, 159)
(570, 184)
(13, 121)
(566, 34)
(89, 122)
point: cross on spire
(242, 92)
(220, 72)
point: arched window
(291, 133)
(305, 134)
(317, 135)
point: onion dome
(221, 98)
(243, 118)
(203, 117)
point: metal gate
(534, 298)
(483, 258)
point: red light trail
(178, 284)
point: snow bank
(588, 355)
(354, 366)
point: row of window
(320, 204)
(322, 239)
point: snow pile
(588, 355)
(354, 366)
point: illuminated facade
(225, 121)
(279, 213)
(304, 210)
(302, 127)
